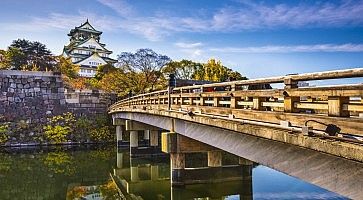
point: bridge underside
(317, 161)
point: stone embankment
(32, 98)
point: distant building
(86, 50)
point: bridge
(314, 133)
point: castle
(86, 50)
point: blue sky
(256, 38)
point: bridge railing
(341, 105)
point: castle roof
(86, 27)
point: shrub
(4, 133)
(102, 134)
(57, 133)
(59, 127)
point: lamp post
(130, 95)
(172, 84)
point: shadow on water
(72, 172)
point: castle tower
(85, 49)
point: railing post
(216, 101)
(201, 99)
(288, 100)
(290, 83)
(257, 103)
(289, 104)
(169, 97)
(233, 98)
(335, 106)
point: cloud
(245, 16)
(120, 6)
(59, 21)
(193, 50)
(188, 45)
(253, 16)
(293, 49)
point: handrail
(339, 104)
(347, 73)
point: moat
(102, 172)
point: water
(73, 172)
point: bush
(59, 127)
(102, 134)
(57, 133)
(4, 137)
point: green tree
(214, 71)
(102, 70)
(13, 58)
(26, 55)
(145, 66)
(66, 67)
(184, 69)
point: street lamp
(172, 84)
(130, 95)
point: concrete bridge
(312, 133)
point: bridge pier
(120, 131)
(179, 147)
(214, 158)
(150, 139)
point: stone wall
(34, 96)
(30, 96)
(88, 102)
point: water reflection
(56, 172)
(91, 172)
(149, 178)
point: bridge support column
(214, 158)
(120, 129)
(247, 166)
(134, 142)
(151, 146)
(177, 164)
(120, 137)
(154, 138)
(119, 159)
(154, 169)
(134, 174)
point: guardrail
(341, 105)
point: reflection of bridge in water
(312, 133)
(150, 178)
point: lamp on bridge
(172, 84)
(130, 95)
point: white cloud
(258, 15)
(248, 15)
(188, 45)
(59, 21)
(120, 6)
(293, 49)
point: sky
(256, 38)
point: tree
(184, 69)
(214, 71)
(27, 55)
(13, 58)
(66, 67)
(146, 67)
(102, 70)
